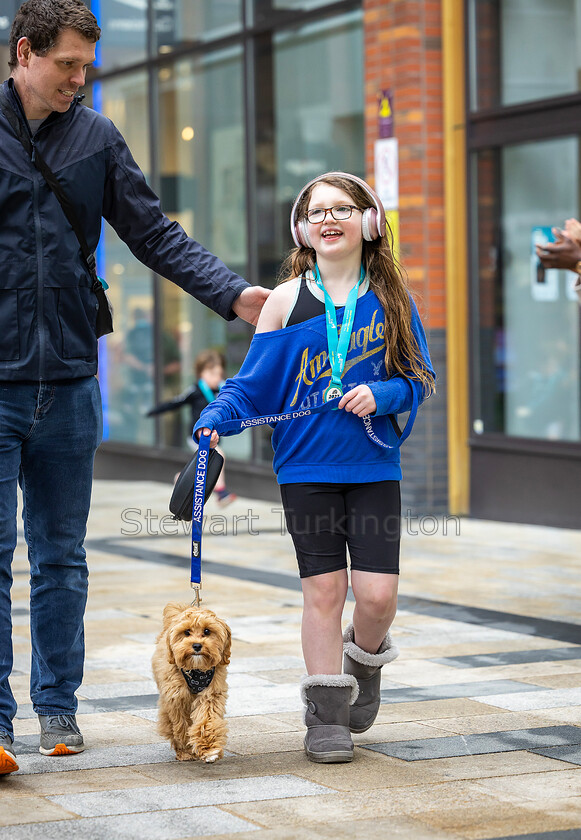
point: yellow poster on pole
(392, 218)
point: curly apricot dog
(189, 666)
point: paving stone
(134, 663)
(359, 829)
(163, 825)
(555, 679)
(571, 754)
(252, 664)
(145, 714)
(527, 701)
(498, 819)
(567, 834)
(105, 704)
(238, 680)
(514, 657)
(495, 722)
(474, 690)
(561, 785)
(168, 797)
(28, 809)
(108, 615)
(121, 689)
(268, 699)
(125, 756)
(148, 639)
(490, 742)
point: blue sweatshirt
(288, 369)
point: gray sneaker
(7, 756)
(60, 735)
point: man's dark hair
(42, 21)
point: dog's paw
(212, 756)
(182, 755)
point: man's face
(49, 83)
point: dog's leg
(208, 733)
(179, 734)
(164, 726)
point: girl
(339, 488)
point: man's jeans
(48, 436)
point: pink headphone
(372, 219)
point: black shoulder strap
(24, 136)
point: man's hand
(359, 400)
(249, 303)
(564, 252)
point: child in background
(341, 325)
(209, 369)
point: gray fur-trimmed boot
(327, 698)
(366, 668)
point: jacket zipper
(40, 277)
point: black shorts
(326, 519)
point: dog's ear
(227, 646)
(171, 610)
(170, 657)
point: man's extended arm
(134, 211)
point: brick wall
(403, 52)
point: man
(50, 407)
(565, 251)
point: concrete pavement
(479, 732)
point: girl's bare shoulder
(277, 305)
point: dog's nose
(197, 647)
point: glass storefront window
(123, 32)
(527, 337)
(316, 123)
(180, 22)
(125, 25)
(203, 178)
(126, 363)
(265, 8)
(524, 50)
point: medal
(332, 392)
(338, 344)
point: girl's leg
(375, 607)
(326, 692)
(315, 515)
(374, 517)
(223, 495)
(321, 633)
(221, 483)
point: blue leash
(198, 515)
(249, 423)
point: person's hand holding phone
(564, 252)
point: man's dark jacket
(47, 307)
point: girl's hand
(359, 400)
(214, 439)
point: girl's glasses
(341, 212)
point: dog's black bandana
(198, 680)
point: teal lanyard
(338, 344)
(206, 390)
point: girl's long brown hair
(402, 354)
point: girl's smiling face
(332, 239)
